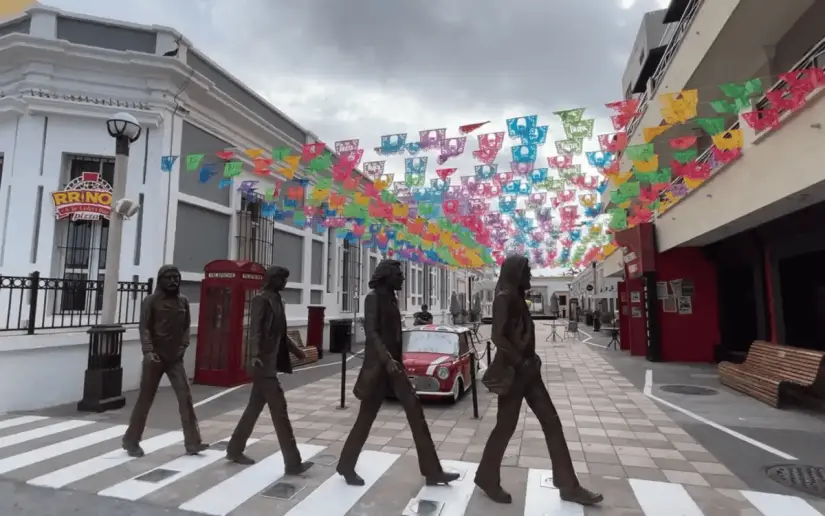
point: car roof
(440, 328)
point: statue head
(275, 278)
(169, 280)
(515, 275)
(388, 274)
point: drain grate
(807, 479)
(419, 507)
(690, 390)
(282, 490)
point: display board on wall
(635, 297)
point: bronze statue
(165, 326)
(383, 369)
(270, 347)
(515, 374)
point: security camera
(126, 208)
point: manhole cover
(418, 507)
(282, 491)
(156, 475)
(691, 390)
(808, 479)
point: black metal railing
(30, 303)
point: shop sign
(87, 197)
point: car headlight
(442, 373)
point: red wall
(689, 338)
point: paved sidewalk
(622, 443)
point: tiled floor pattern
(622, 444)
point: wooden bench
(311, 351)
(770, 369)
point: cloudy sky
(363, 68)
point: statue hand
(151, 357)
(392, 367)
(256, 362)
(299, 353)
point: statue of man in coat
(383, 369)
(515, 376)
(270, 347)
(165, 329)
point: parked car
(437, 360)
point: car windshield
(430, 342)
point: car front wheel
(458, 390)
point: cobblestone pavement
(622, 443)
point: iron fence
(33, 303)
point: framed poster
(669, 304)
(676, 287)
(635, 297)
(685, 304)
(637, 312)
(661, 289)
(687, 287)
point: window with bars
(432, 287)
(444, 283)
(417, 284)
(256, 233)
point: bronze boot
(580, 496)
(443, 477)
(351, 477)
(240, 458)
(299, 468)
(495, 492)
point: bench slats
(311, 351)
(768, 367)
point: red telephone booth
(223, 323)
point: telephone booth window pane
(217, 302)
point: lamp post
(124, 128)
(103, 380)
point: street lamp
(125, 129)
(103, 379)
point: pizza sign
(87, 197)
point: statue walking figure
(270, 349)
(382, 370)
(165, 326)
(515, 374)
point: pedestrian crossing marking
(227, 496)
(51, 451)
(135, 488)
(663, 498)
(541, 497)
(45, 431)
(371, 466)
(95, 465)
(770, 504)
(327, 492)
(22, 420)
(456, 497)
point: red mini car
(437, 360)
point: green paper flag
(321, 163)
(641, 152)
(618, 218)
(570, 115)
(193, 162)
(353, 211)
(742, 90)
(299, 218)
(579, 129)
(685, 156)
(724, 107)
(425, 209)
(387, 196)
(232, 169)
(323, 183)
(712, 126)
(281, 153)
(629, 189)
(414, 180)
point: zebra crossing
(85, 456)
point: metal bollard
(473, 389)
(343, 403)
(489, 354)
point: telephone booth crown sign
(223, 322)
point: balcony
(717, 41)
(779, 172)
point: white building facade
(64, 75)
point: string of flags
(553, 213)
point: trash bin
(340, 333)
(588, 319)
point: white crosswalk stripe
(85, 456)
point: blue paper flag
(167, 162)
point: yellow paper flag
(620, 179)
(693, 183)
(729, 140)
(9, 8)
(650, 133)
(361, 199)
(651, 165)
(679, 110)
(252, 153)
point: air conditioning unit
(127, 208)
